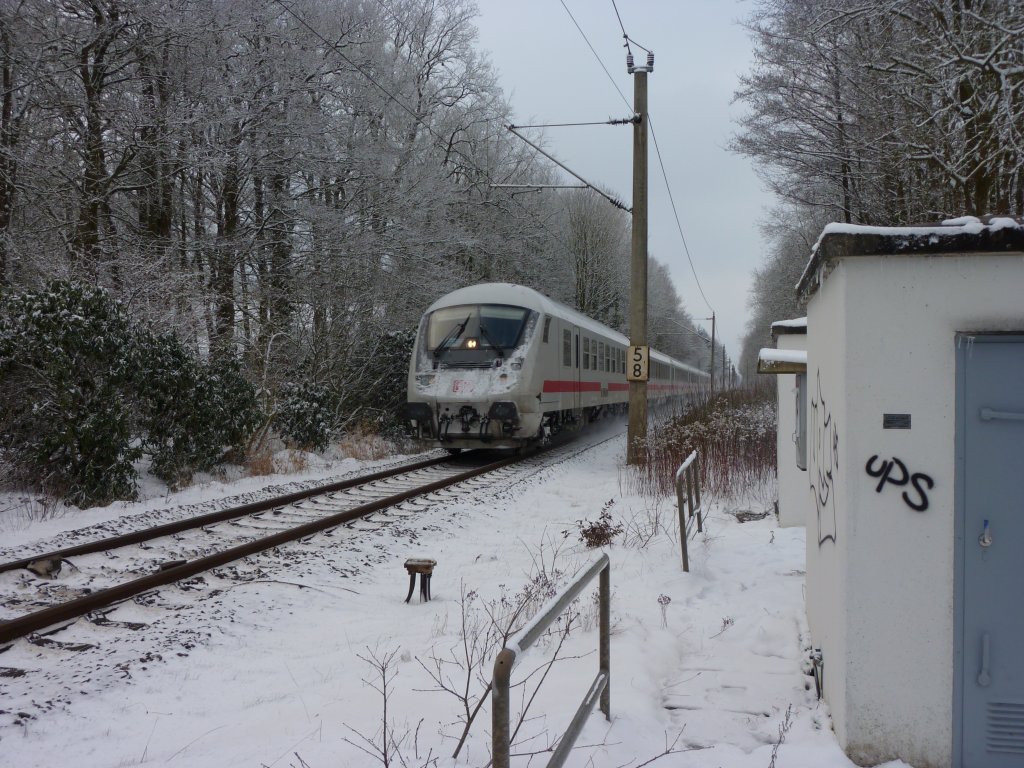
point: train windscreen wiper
(452, 335)
(489, 340)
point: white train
(498, 365)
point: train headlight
(471, 343)
(425, 379)
(517, 364)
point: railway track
(64, 665)
(179, 550)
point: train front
(469, 374)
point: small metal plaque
(639, 363)
(895, 421)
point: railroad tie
(425, 568)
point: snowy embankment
(710, 664)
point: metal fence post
(689, 474)
(605, 649)
(524, 638)
(500, 708)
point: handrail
(689, 473)
(527, 636)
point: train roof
(521, 296)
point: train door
(577, 401)
(990, 528)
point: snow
(771, 355)
(275, 671)
(797, 322)
(963, 225)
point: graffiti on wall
(823, 433)
(884, 473)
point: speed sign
(639, 363)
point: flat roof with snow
(774, 361)
(961, 236)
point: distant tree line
(885, 113)
(282, 188)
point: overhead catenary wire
(675, 213)
(596, 56)
(570, 171)
(654, 137)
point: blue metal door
(990, 525)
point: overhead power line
(629, 105)
(675, 212)
(657, 149)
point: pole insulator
(650, 61)
(629, 63)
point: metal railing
(527, 636)
(688, 475)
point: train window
(567, 348)
(547, 327)
(600, 356)
(586, 354)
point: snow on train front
(472, 368)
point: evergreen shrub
(84, 393)
(303, 416)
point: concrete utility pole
(637, 432)
(712, 319)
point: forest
(267, 193)
(887, 113)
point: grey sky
(550, 74)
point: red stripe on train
(572, 386)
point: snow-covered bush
(191, 413)
(65, 408)
(380, 370)
(303, 416)
(84, 393)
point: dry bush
(601, 532)
(292, 461)
(734, 435)
(364, 445)
(260, 461)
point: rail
(689, 504)
(102, 598)
(527, 636)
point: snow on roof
(772, 355)
(796, 322)
(771, 360)
(783, 327)
(963, 235)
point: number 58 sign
(639, 363)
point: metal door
(577, 396)
(989, 689)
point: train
(499, 365)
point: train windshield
(476, 326)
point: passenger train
(502, 366)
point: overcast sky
(550, 74)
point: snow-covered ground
(282, 670)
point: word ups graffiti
(884, 473)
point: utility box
(915, 465)
(788, 362)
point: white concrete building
(788, 361)
(915, 573)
